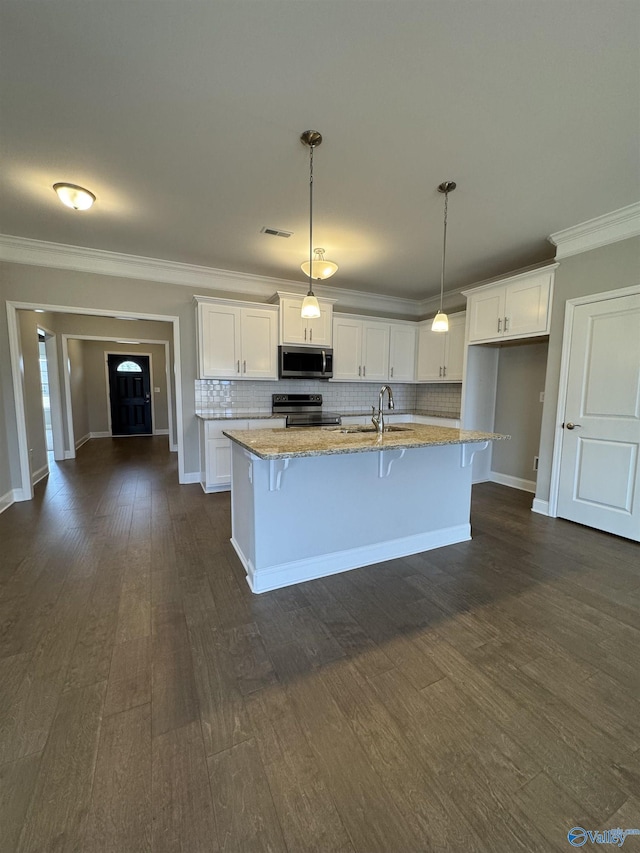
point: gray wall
(521, 378)
(95, 356)
(28, 327)
(78, 386)
(597, 271)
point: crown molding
(24, 250)
(601, 231)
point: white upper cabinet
(519, 307)
(441, 354)
(402, 352)
(237, 340)
(296, 330)
(360, 350)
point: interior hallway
(484, 696)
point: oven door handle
(324, 361)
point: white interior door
(599, 467)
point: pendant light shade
(319, 268)
(441, 321)
(74, 197)
(310, 308)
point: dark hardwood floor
(481, 697)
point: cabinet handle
(244, 366)
(499, 324)
(359, 371)
(364, 370)
(238, 371)
(305, 333)
(444, 370)
(310, 334)
(506, 323)
(440, 372)
(392, 372)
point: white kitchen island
(307, 503)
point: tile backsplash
(230, 396)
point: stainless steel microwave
(305, 363)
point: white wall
(598, 271)
(78, 385)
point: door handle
(147, 397)
(569, 425)
(324, 361)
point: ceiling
(184, 119)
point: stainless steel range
(303, 410)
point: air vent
(275, 232)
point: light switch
(156, 390)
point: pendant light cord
(311, 147)
(444, 248)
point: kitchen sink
(347, 430)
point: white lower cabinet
(215, 449)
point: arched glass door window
(129, 367)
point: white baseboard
(83, 440)
(540, 506)
(298, 571)
(173, 448)
(161, 432)
(212, 490)
(40, 474)
(190, 477)
(7, 500)
(513, 482)
(103, 434)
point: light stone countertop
(284, 443)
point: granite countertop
(251, 416)
(284, 443)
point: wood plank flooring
(480, 697)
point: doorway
(44, 390)
(599, 465)
(130, 394)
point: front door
(599, 468)
(129, 394)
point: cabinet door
(375, 351)
(219, 341)
(319, 330)
(526, 307)
(347, 347)
(259, 344)
(486, 314)
(402, 353)
(293, 327)
(454, 350)
(218, 452)
(430, 354)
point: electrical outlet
(535, 463)
(542, 396)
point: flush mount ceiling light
(441, 321)
(75, 197)
(320, 268)
(310, 307)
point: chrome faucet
(378, 420)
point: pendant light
(74, 196)
(320, 267)
(441, 321)
(310, 307)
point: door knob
(569, 425)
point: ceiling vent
(275, 232)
